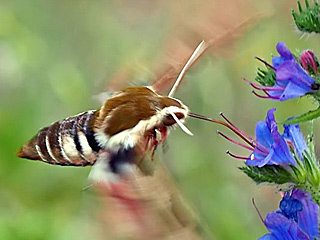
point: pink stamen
(236, 156)
(259, 96)
(265, 97)
(257, 147)
(265, 63)
(261, 87)
(272, 97)
(265, 152)
(234, 141)
(290, 144)
(221, 123)
(251, 141)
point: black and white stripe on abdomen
(68, 142)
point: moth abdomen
(66, 142)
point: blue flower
(269, 147)
(291, 79)
(296, 219)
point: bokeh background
(56, 55)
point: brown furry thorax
(126, 108)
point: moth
(132, 122)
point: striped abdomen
(67, 142)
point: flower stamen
(258, 95)
(234, 141)
(269, 96)
(261, 87)
(236, 156)
(222, 123)
(265, 63)
(265, 97)
(250, 140)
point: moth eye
(179, 115)
(169, 120)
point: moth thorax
(126, 118)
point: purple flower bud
(309, 62)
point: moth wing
(181, 50)
(146, 201)
(102, 97)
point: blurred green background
(55, 55)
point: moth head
(172, 106)
(174, 112)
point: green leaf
(307, 20)
(304, 117)
(268, 174)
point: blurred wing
(145, 204)
(169, 75)
(215, 21)
(102, 97)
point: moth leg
(154, 151)
(146, 146)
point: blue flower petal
(284, 51)
(277, 61)
(267, 159)
(293, 134)
(308, 217)
(285, 55)
(291, 70)
(282, 154)
(293, 91)
(281, 227)
(263, 134)
(267, 237)
(270, 120)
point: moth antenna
(195, 55)
(181, 125)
